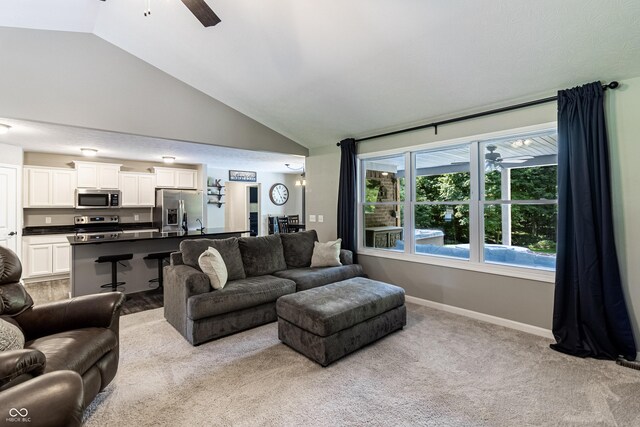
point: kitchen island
(87, 275)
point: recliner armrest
(346, 257)
(89, 311)
(14, 363)
(53, 399)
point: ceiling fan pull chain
(147, 11)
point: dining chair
(283, 225)
(294, 219)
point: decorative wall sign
(244, 176)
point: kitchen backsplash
(38, 217)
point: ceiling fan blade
(203, 12)
(515, 160)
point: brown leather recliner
(70, 355)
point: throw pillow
(326, 254)
(11, 337)
(212, 264)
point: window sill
(500, 270)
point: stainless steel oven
(87, 198)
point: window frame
(476, 205)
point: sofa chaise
(260, 270)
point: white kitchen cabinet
(61, 261)
(146, 190)
(165, 178)
(39, 260)
(103, 176)
(49, 187)
(45, 256)
(176, 178)
(186, 178)
(137, 189)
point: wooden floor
(141, 301)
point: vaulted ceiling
(320, 71)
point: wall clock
(279, 194)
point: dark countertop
(132, 237)
(70, 229)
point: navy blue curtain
(590, 318)
(347, 195)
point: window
(442, 181)
(383, 193)
(491, 201)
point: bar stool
(160, 257)
(114, 260)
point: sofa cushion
(228, 248)
(307, 278)
(237, 295)
(329, 309)
(298, 248)
(212, 264)
(262, 255)
(76, 350)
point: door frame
(248, 206)
(19, 195)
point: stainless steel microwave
(87, 198)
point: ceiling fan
(200, 10)
(493, 160)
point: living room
(475, 349)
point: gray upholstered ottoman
(329, 322)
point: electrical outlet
(320, 218)
(136, 217)
(47, 220)
(312, 218)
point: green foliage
(532, 226)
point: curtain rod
(612, 85)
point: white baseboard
(535, 330)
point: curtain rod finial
(613, 85)
(337, 144)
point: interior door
(9, 208)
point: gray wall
(521, 300)
(81, 80)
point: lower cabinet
(45, 256)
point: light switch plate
(312, 218)
(320, 218)
(47, 220)
(136, 217)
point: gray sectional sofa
(260, 270)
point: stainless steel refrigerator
(178, 210)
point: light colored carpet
(441, 370)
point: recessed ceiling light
(168, 159)
(89, 152)
(4, 128)
(385, 173)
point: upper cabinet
(98, 175)
(49, 187)
(137, 189)
(176, 178)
